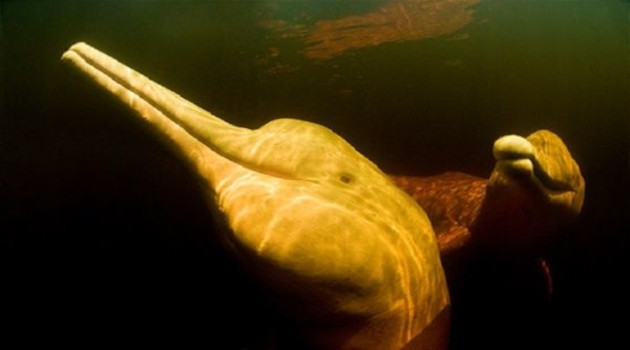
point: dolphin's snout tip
(78, 45)
(67, 56)
(73, 50)
(512, 147)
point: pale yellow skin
(350, 256)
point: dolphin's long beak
(198, 134)
(192, 129)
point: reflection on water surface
(394, 21)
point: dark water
(104, 231)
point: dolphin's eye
(345, 178)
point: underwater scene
(369, 174)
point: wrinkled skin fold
(344, 252)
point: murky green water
(418, 87)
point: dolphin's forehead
(554, 158)
(297, 149)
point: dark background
(105, 235)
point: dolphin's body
(534, 192)
(345, 253)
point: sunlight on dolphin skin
(314, 222)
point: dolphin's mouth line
(548, 181)
(538, 171)
(143, 96)
(117, 79)
(94, 64)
